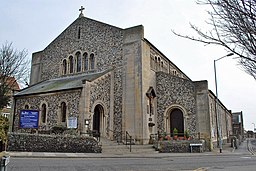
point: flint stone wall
(173, 90)
(180, 146)
(52, 143)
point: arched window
(64, 66)
(78, 64)
(26, 107)
(177, 121)
(63, 112)
(85, 61)
(71, 64)
(92, 61)
(43, 113)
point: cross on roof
(81, 9)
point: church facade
(113, 80)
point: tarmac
(226, 150)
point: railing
(128, 137)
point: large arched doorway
(98, 119)
(177, 121)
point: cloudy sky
(32, 25)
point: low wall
(180, 146)
(52, 143)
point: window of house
(64, 66)
(71, 64)
(78, 64)
(63, 112)
(43, 113)
(85, 55)
(92, 61)
(9, 105)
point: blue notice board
(29, 118)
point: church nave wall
(53, 101)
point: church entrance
(98, 119)
(177, 121)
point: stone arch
(43, 114)
(85, 61)
(78, 61)
(92, 61)
(167, 118)
(99, 117)
(60, 117)
(26, 106)
(64, 67)
(71, 64)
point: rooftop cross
(81, 9)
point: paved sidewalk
(227, 150)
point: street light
(216, 103)
(253, 127)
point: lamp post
(216, 103)
(253, 127)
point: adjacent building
(12, 85)
(238, 126)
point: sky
(32, 25)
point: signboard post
(29, 119)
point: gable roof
(60, 84)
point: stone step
(112, 147)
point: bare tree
(233, 24)
(13, 68)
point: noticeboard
(72, 122)
(29, 118)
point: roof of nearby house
(11, 82)
(60, 84)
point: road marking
(245, 157)
(200, 169)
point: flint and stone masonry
(114, 81)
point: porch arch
(99, 118)
(175, 116)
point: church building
(113, 81)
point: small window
(78, 64)
(79, 33)
(26, 107)
(64, 66)
(85, 55)
(9, 105)
(92, 61)
(63, 112)
(71, 64)
(43, 113)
